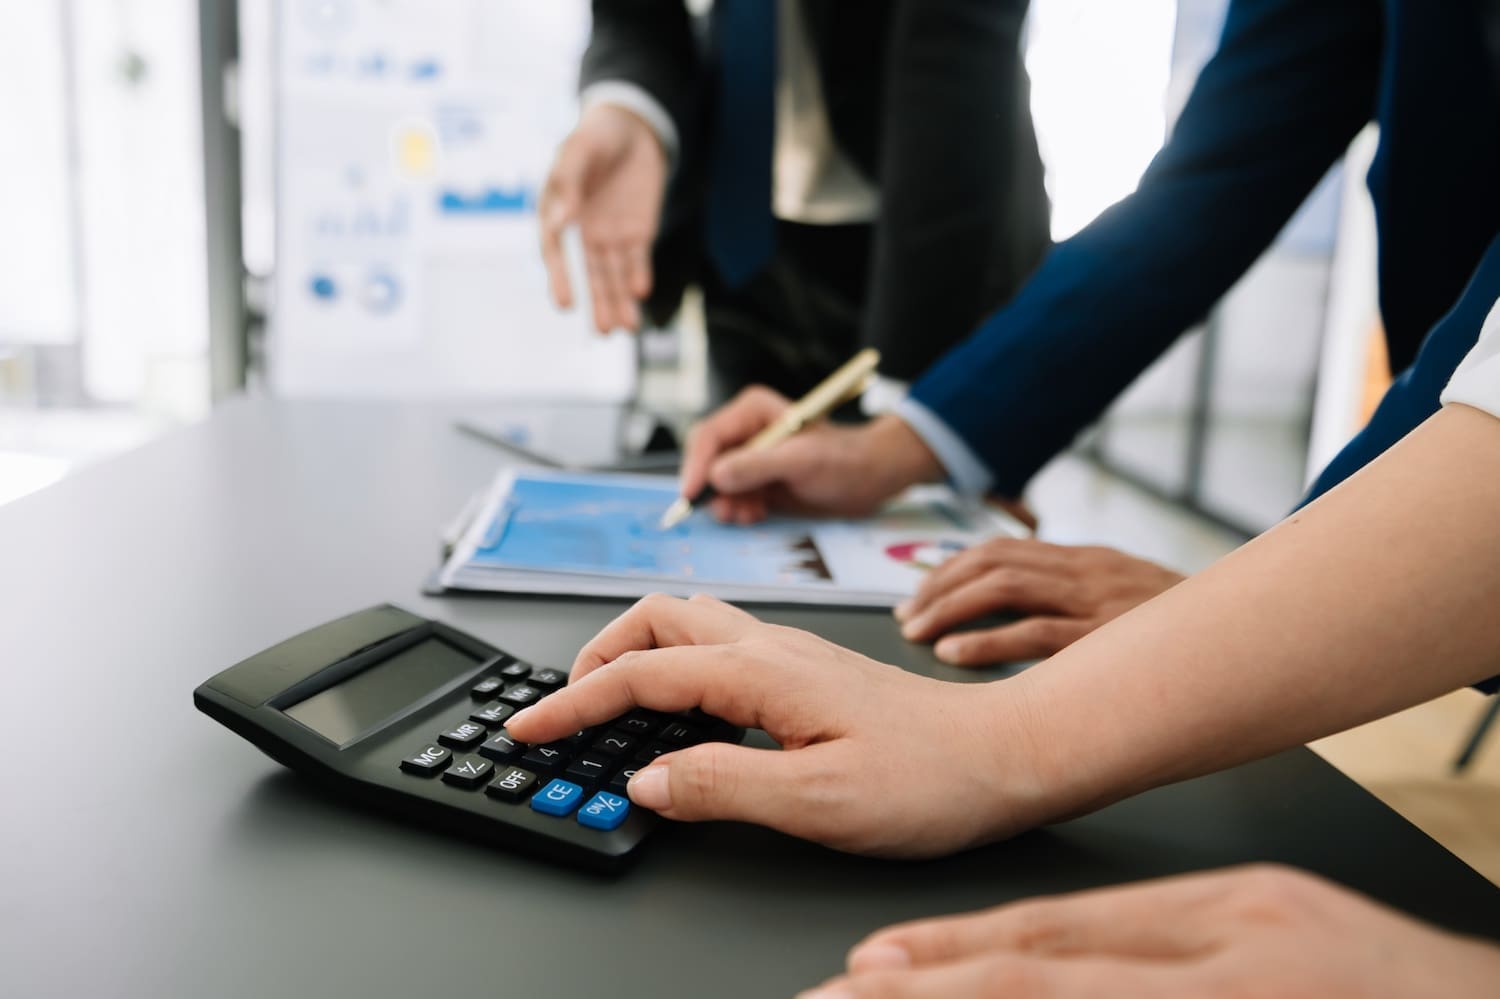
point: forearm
(1293, 81)
(647, 44)
(1378, 596)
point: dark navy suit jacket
(1291, 84)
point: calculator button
(557, 798)
(549, 678)
(548, 757)
(588, 770)
(511, 784)
(678, 734)
(616, 743)
(501, 747)
(428, 761)
(516, 671)
(522, 695)
(463, 735)
(468, 772)
(486, 688)
(581, 736)
(492, 714)
(604, 811)
(619, 782)
(637, 726)
(652, 751)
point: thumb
(719, 780)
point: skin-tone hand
(825, 469)
(1250, 931)
(609, 178)
(831, 710)
(1065, 591)
(1308, 630)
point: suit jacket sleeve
(1291, 84)
(648, 43)
(951, 176)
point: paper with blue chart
(598, 535)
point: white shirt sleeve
(966, 473)
(1476, 381)
(635, 99)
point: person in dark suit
(1292, 82)
(833, 173)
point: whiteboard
(411, 140)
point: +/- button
(468, 772)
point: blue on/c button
(604, 811)
(557, 798)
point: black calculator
(408, 715)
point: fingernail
(902, 610)
(947, 649)
(911, 629)
(651, 788)
(518, 716)
(837, 992)
(879, 957)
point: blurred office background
(336, 198)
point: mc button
(426, 762)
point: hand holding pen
(762, 452)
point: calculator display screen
(349, 709)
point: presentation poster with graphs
(412, 141)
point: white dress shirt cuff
(883, 395)
(1476, 381)
(966, 473)
(636, 100)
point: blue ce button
(557, 798)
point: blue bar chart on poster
(412, 140)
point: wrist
(1026, 785)
(898, 455)
(625, 122)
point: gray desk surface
(147, 851)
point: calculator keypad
(583, 774)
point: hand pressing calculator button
(375, 702)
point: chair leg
(1477, 739)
